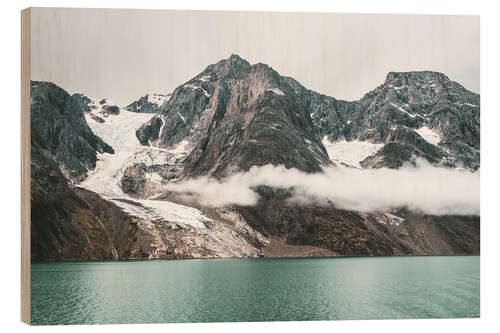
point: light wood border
(25, 166)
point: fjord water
(254, 290)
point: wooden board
(25, 165)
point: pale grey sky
(125, 54)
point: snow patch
(350, 152)
(468, 104)
(179, 149)
(180, 115)
(395, 219)
(404, 111)
(195, 87)
(276, 91)
(157, 210)
(205, 78)
(428, 135)
(153, 177)
(387, 218)
(162, 125)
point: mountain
(234, 116)
(150, 103)
(69, 222)
(412, 114)
(88, 217)
(59, 120)
(343, 232)
(422, 114)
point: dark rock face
(329, 115)
(70, 223)
(236, 116)
(84, 102)
(148, 104)
(112, 109)
(365, 234)
(133, 181)
(149, 131)
(97, 118)
(58, 119)
(136, 180)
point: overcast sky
(124, 54)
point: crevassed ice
(157, 210)
(119, 132)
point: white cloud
(423, 188)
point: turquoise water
(254, 290)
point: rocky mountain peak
(265, 72)
(231, 67)
(233, 115)
(424, 88)
(420, 91)
(415, 76)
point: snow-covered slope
(428, 135)
(350, 153)
(169, 225)
(119, 132)
(154, 210)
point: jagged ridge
(233, 104)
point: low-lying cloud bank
(423, 188)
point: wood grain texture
(25, 165)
